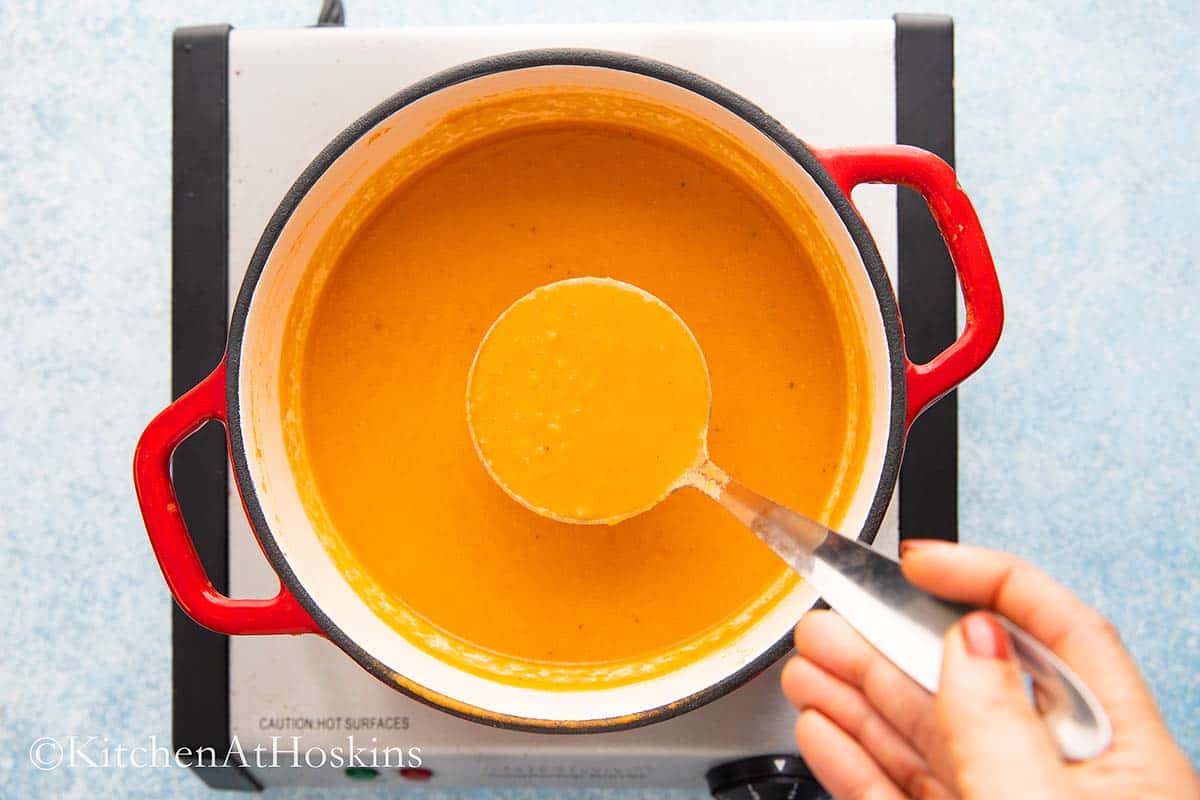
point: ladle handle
(904, 623)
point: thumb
(998, 746)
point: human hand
(868, 732)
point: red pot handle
(169, 535)
(956, 219)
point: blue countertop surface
(1077, 132)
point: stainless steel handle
(904, 623)
(908, 625)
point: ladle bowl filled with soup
(352, 341)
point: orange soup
(376, 375)
(588, 400)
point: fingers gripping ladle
(588, 402)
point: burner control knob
(781, 777)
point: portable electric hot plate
(251, 109)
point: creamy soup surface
(376, 380)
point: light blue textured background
(1077, 137)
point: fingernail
(909, 545)
(984, 637)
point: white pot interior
(263, 430)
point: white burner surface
(290, 92)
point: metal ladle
(904, 623)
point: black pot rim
(526, 59)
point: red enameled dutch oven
(242, 392)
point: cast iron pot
(242, 392)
